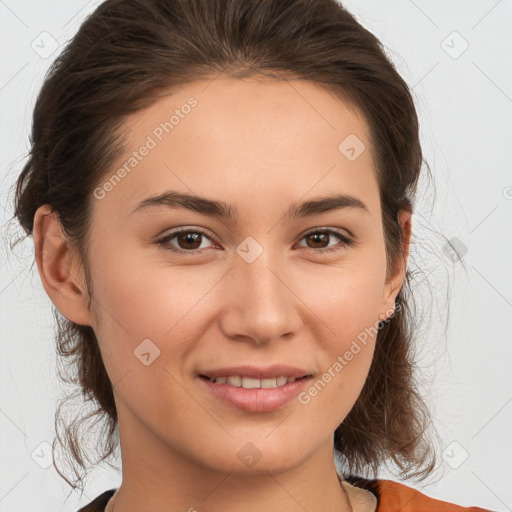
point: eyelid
(163, 240)
(343, 232)
(345, 240)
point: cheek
(140, 314)
(346, 303)
(148, 299)
(153, 318)
(347, 298)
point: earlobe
(59, 268)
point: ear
(59, 267)
(395, 282)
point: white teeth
(281, 381)
(251, 383)
(235, 381)
(269, 383)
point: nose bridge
(258, 267)
(260, 304)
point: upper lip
(267, 372)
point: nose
(259, 303)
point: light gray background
(464, 99)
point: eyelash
(346, 242)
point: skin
(259, 144)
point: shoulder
(99, 504)
(395, 496)
(390, 497)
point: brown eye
(319, 238)
(188, 241)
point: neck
(159, 479)
(128, 502)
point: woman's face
(252, 289)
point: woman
(220, 194)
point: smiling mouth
(252, 383)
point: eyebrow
(221, 210)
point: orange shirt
(391, 496)
(397, 497)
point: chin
(259, 456)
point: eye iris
(186, 236)
(315, 236)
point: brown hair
(127, 53)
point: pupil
(195, 237)
(317, 235)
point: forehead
(258, 137)
(257, 108)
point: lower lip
(256, 400)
